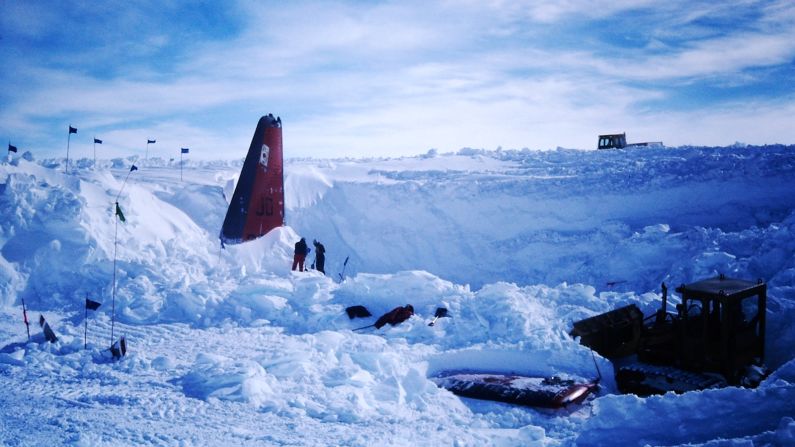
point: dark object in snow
(257, 205)
(715, 338)
(119, 348)
(357, 312)
(49, 335)
(546, 392)
(441, 312)
(619, 141)
(395, 316)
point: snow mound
(219, 377)
(515, 245)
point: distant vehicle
(716, 338)
(619, 141)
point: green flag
(119, 213)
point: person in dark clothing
(299, 255)
(320, 256)
(395, 316)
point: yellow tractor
(715, 338)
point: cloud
(398, 77)
(726, 55)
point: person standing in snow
(299, 255)
(320, 256)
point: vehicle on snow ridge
(716, 338)
(619, 141)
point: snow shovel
(440, 312)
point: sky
(392, 78)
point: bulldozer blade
(612, 334)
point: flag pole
(115, 245)
(85, 333)
(122, 186)
(148, 142)
(95, 152)
(68, 140)
(115, 248)
(180, 165)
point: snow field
(229, 347)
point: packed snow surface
(230, 347)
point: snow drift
(515, 244)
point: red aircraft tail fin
(257, 204)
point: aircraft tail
(257, 205)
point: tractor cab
(722, 326)
(611, 141)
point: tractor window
(695, 318)
(749, 309)
(694, 309)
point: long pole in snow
(115, 245)
(68, 140)
(85, 332)
(183, 150)
(148, 142)
(115, 248)
(25, 317)
(133, 168)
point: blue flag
(72, 130)
(185, 150)
(97, 141)
(150, 141)
(11, 148)
(133, 168)
(92, 305)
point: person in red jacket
(299, 255)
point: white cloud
(401, 77)
(720, 56)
